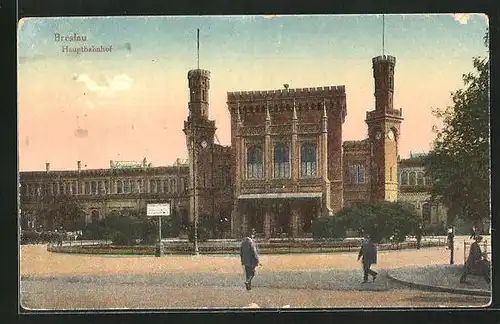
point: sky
(130, 102)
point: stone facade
(101, 191)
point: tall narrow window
(173, 185)
(93, 187)
(308, 160)
(420, 178)
(361, 174)
(87, 188)
(126, 186)
(74, 187)
(353, 172)
(281, 161)
(139, 186)
(254, 163)
(133, 186)
(152, 186)
(390, 174)
(119, 187)
(404, 178)
(159, 188)
(412, 179)
(166, 185)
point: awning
(282, 195)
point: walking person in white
(249, 259)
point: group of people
(250, 259)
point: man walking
(249, 259)
(475, 263)
(368, 253)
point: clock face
(204, 144)
(390, 135)
(378, 135)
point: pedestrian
(472, 232)
(476, 263)
(368, 254)
(249, 259)
(418, 236)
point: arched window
(119, 186)
(173, 185)
(426, 213)
(308, 160)
(254, 163)
(361, 173)
(413, 180)
(420, 178)
(357, 174)
(281, 161)
(126, 186)
(404, 178)
(353, 174)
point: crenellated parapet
(384, 58)
(356, 145)
(283, 99)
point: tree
(459, 163)
(381, 220)
(62, 211)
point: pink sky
(134, 104)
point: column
(295, 219)
(244, 222)
(294, 149)
(267, 222)
(268, 151)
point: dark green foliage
(381, 221)
(460, 160)
(326, 227)
(61, 212)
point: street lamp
(195, 216)
(451, 235)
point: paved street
(64, 281)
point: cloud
(118, 83)
(462, 18)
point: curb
(471, 292)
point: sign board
(126, 165)
(158, 209)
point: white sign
(158, 209)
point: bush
(382, 221)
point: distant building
(415, 188)
(101, 191)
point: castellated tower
(200, 133)
(384, 132)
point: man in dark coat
(475, 263)
(368, 253)
(249, 259)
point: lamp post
(195, 216)
(451, 235)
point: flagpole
(198, 47)
(383, 35)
